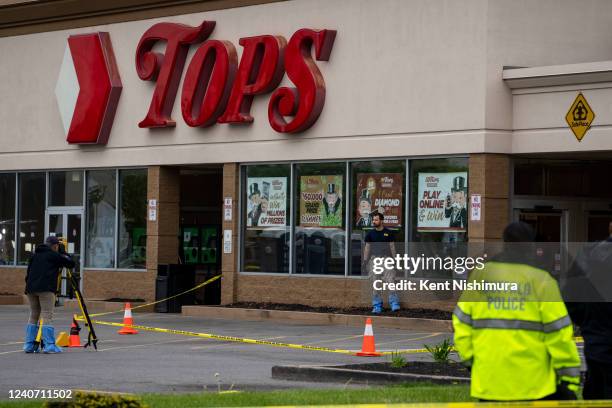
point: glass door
(598, 225)
(550, 226)
(67, 224)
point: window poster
(321, 201)
(442, 202)
(266, 202)
(382, 193)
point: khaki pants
(41, 304)
(388, 276)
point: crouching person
(41, 284)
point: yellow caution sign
(580, 116)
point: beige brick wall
(96, 284)
(229, 283)
(489, 176)
(102, 285)
(323, 291)
(12, 280)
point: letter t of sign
(166, 68)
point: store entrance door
(598, 222)
(550, 223)
(67, 224)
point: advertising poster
(379, 192)
(321, 201)
(266, 202)
(442, 202)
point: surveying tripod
(71, 278)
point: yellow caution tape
(247, 340)
(198, 286)
(222, 338)
(243, 340)
(236, 339)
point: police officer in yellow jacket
(519, 340)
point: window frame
(349, 207)
(13, 264)
(117, 217)
(84, 171)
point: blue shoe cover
(394, 301)
(48, 338)
(30, 345)
(377, 304)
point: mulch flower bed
(450, 369)
(362, 311)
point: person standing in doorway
(380, 243)
(595, 320)
(41, 284)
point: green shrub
(441, 351)
(397, 360)
(93, 400)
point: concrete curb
(100, 306)
(426, 325)
(343, 375)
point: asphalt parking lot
(159, 362)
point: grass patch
(391, 394)
(397, 360)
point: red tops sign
(219, 89)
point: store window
(65, 188)
(439, 188)
(320, 231)
(132, 246)
(377, 186)
(266, 218)
(31, 214)
(7, 219)
(439, 191)
(101, 217)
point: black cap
(52, 240)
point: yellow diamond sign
(580, 116)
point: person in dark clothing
(379, 243)
(41, 284)
(595, 319)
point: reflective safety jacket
(519, 343)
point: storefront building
(254, 138)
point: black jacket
(594, 317)
(43, 269)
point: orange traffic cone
(75, 340)
(368, 349)
(128, 321)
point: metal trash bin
(162, 289)
(212, 291)
(171, 280)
